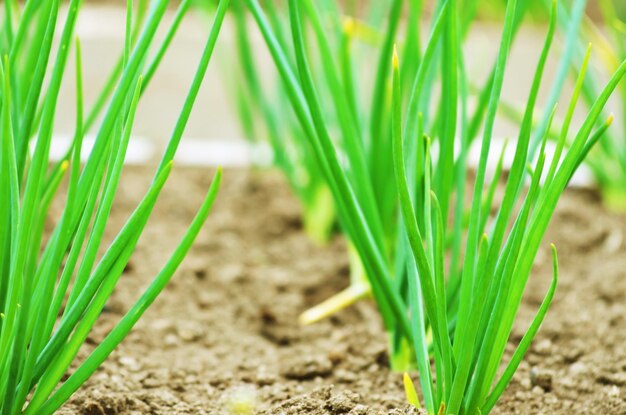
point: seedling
(53, 289)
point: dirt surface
(224, 332)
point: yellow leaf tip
(348, 25)
(406, 377)
(395, 60)
(409, 389)
(611, 118)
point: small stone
(336, 356)
(359, 410)
(572, 354)
(233, 273)
(152, 380)
(162, 324)
(542, 378)
(171, 340)
(525, 383)
(578, 368)
(345, 376)
(205, 300)
(521, 396)
(543, 347)
(129, 363)
(190, 332)
(308, 368)
(613, 392)
(167, 397)
(537, 390)
(550, 399)
(567, 383)
(263, 378)
(343, 402)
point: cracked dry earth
(225, 329)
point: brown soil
(225, 329)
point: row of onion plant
(53, 286)
(447, 276)
(355, 108)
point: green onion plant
(447, 275)
(348, 56)
(263, 116)
(54, 287)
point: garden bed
(226, 328)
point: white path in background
(101, 28)
(241, 154)
(191, 152)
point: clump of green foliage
(53, 288)
(447, 275)
(348, 56)
(608, 160)
(341, 47)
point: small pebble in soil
(264, 378)
(541, 377)
(343, 402)
(543, 347)
(613, 392)
(345, 376)
(573, 354)
(525, 383)
(171, 340)
(359, 410)
(190, 332)
(578, 368)
(613, 241)
(129, 363)
(306, 368)
(337, 356)
(537, 390)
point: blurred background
(213, 135)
